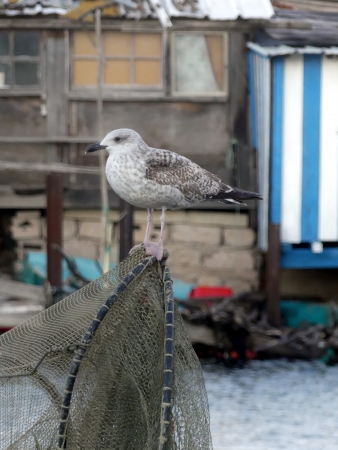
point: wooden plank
(146, 95)
(43, 167)
(47, 140)
(57, 108)
(144, 24)
(54, 228)
(16, 289)
(273, 276)
(311, 138)
(328, 155)
(292, 151)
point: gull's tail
(236, 196)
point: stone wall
(213, 248)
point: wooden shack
(178, 77)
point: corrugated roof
(34, 7)
(196, 9)
(219, 9)
(322, 28)
(308, 5)
(281, 50)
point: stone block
(222, 219)
(209, 280)
(202, 218)
(89, 215)
(239, 237)
(225, 258)
(83, 248)
(90, 230)
(195, 234)
(140, 230)
(27, 225)
(184, 255)
(184, 273)
(70, 229)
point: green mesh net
(109, 367)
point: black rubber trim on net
(86, 340)
(166, 407)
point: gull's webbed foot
(154, 249)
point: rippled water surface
(273, 405)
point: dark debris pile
(241, 330)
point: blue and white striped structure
(294, 111)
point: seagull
(153, 178)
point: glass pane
(4, 43)
(147, 73)
(117, 72)
(147, 45)
(4, 75)
(195, 71)
(117, 44)
(84, 43)
(26, 73)
(85, 73)
(26, 43)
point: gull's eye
(117, 139)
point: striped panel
(311, 119)
(292, 149)
(328, 172)
(277, 136)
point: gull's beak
(95, 147)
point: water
(273, 405)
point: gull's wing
(169, 168)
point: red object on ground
(210, 291)
(4, 329)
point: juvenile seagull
(159, 179)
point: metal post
(126, 229)
(273, 275)
(105, 238)
(54, 228)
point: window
(19, 59)
(199, 63)
(130, 59)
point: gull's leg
(149, 222)
(156, 248)
(162, 219)
(148, 229)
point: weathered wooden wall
(200, 129)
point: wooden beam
(47, 140)
(20, 290)
(153, 25)
(126, 228)
(273, 276)
(54, 228)
(47, 168)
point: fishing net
(109, 367)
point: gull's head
(124, 138)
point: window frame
(224, 93)
(11, 59)
(123, 88)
